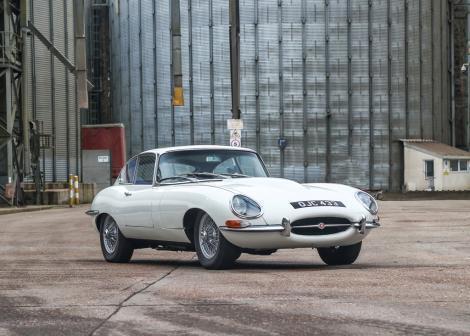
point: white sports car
(220, 202)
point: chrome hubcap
(110, 235)
(208, 237)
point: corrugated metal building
(52, 88)
(341, 80)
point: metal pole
(407, 112)
(371, 102)
(211, 72)
(304, 90)
(257, 80)
(451, 72)
(327, 96)
(281, 86)
(350, 92)
(155, 71)
(191, 85)
(141, 76)
(389, 88)
(235, 56)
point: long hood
(275, 196)
(261, 189)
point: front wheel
(115, 247)
(213, 250)
(340, 255)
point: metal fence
(341, 80)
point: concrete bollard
(71, 191)
(76, 190)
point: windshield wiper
(234, 175)
(205, 174)
(178, 177)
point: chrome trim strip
(318, 226)
(92, 212)
(255, 228)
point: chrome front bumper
(285, 228)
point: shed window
(458, 165)
(463, 165)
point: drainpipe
(467, 3)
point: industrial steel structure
(42, 88)
(341, 80)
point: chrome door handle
(127, 193)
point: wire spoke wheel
(209, 237)
(110, 235)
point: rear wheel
(115, 247)
(340, 255)
(213, 250)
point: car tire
(212, 249)
(340, 255)
(115, 247)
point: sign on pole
(235, 126)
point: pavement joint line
(121, 304)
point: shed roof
(436, 148)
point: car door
(135, 208)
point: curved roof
(160, 151)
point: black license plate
(317, 203)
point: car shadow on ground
(239, 265)
(270, 265)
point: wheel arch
(99, 219)
(189, 221)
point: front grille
(309, 226)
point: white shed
(431, 165)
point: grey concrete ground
(413, 277)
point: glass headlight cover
(367, 201)
(245, 207)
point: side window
(145, 169)
(130, 170)
(122, 176)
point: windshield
(209, 164)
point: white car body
(157, 212)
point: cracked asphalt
(413, 277)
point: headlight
(245, 207)
(367, 201)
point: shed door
(429, 173)
(429, 169)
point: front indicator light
(236, 224)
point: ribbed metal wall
(51, 91)
(341, 80)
